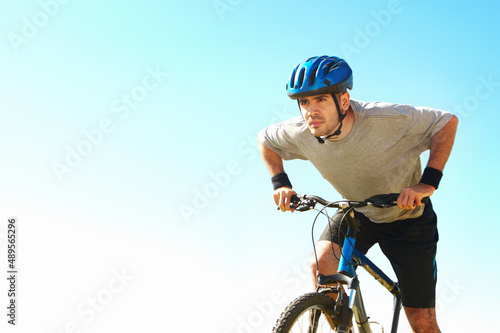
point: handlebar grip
(387, 200)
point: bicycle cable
(345, 235)
(323, 211)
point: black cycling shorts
(410, 245)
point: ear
(345, 100)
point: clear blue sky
(129, 154)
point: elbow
(452, 123)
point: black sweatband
(431, 177)
(280, 180)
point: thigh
(336, 230)
(410, 245)
(326, 257)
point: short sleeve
(425, 121)
(282, 138)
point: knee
(325, 263)
(313, 264)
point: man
(364, 149)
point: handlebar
(308, 202)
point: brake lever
(302, 208)
(301, 204)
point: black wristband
(280, 180)
(431, 177)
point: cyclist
(363, 149)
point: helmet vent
(312, 78)
(292, 80)
(300, 82)
(331, 66)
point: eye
(303, 102)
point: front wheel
(310, 313)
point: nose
(312, 109)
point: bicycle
(317, 312)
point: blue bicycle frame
(350, 259)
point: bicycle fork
(359, 311)
(351, 306)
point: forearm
(273, 161)
(282, 192)
(441, 145)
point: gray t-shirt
(381, 153)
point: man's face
(320, 114)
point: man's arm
(441, 145)
(274, 164)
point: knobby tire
(313, 307)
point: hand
(282, 198)
(410, 197)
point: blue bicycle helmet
(319, 75)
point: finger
(405, 201)
(276, 198)
(282, 202)
(401, 200)
(409, 203)
(289, 201)
(285, 204)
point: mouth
(315, 123)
